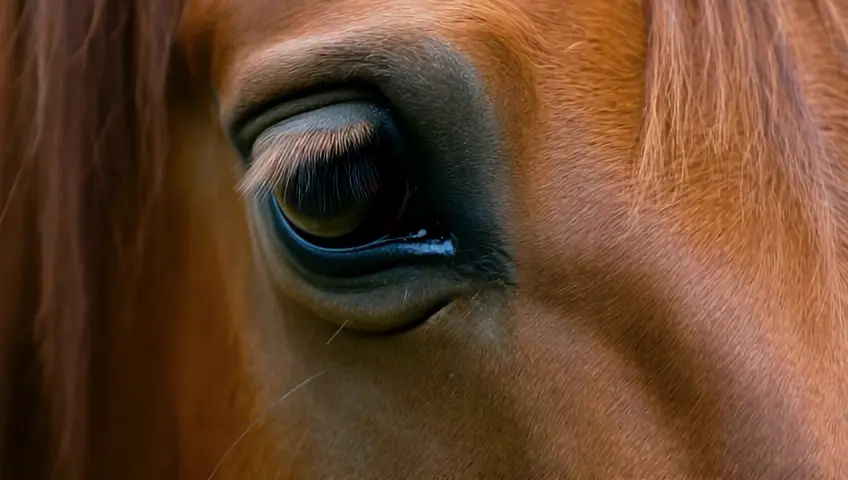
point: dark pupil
(329, 187)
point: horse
(617, 246)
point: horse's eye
(344, 196)
(348, 196)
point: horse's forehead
(236, 28)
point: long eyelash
(325, 187)
(279, 159)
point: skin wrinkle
(657, 189)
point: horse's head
(426, 239)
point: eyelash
(318, 182)
(278, 158)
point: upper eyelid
(248, 128)
(284, 69)
(360, 55)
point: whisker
(337, 332)
(260, 417)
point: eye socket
(342, 191)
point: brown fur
(679, 211)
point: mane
(727, 122)
(82, 146)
